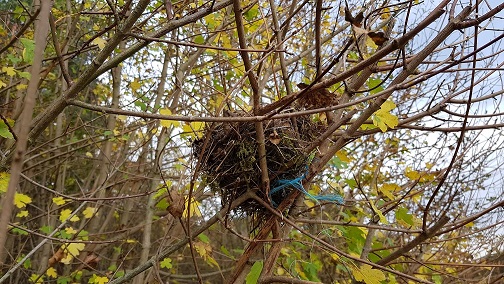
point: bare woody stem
(256, 96)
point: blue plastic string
(297, 184)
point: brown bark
(41, 32)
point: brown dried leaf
(275, 138)
(177, 205)
(378, 38)
(355, 21)
(92, 260)
(57, 256)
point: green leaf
(141, 105)
(63, 280)
(28, 51)
(437, 279)
(26, 75)
(338, 163)
(204, 238)
(254, 273)
(225, 251)
(311, 270)
(19, 231)
(199, 39)
(4, 130)
(13, 59)
(251, 13)
(372, 84)
(166, 263)
(355, 237)
(65, 235)
(162, 204)
(119, 274)
(351, 183)
(26, 263)
(46, 229)
(403, 217)
(160, 192)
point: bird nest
(230, 159)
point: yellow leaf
(341, 154)
(22, 214)
(383, 118)
(335, 256)
(4, 181)
(135, 85)
(130, 241)
(51, 272)
(198, 127)
(280, 271)
(72, 250)
(188, 130)
(380, 214)
(21, 87)
(100, 42)
(388, 106)
(385, 13)
(2, 84)
(195, 128)
(9, 70)
(367, 274)
(20, 200)
(70, 230)
(99, 279)
(59, 200)
(204, 250)
(194, 208)
(35, 278)
(367, 126)
(217, 102)
(411, 174)
(388, 188)
(168, 123)
(65, 213)
(89, 155)
(309, 203)
(89, 212)
(370, 43)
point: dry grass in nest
(230, 161)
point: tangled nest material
(230, 160)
